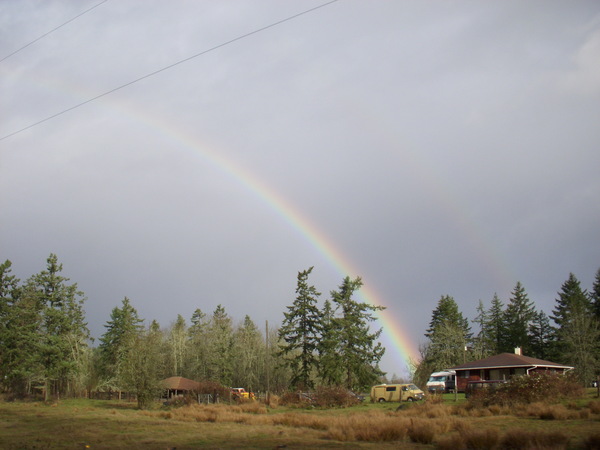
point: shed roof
(509, 360)
(180, 384)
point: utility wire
(52, 31)
(148, 75)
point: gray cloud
(442, 147)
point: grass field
(446, 424)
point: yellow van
(396, 393)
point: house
(502, 367)
(179, 386)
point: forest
(46, 349)
(569, 335)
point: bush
(525, 439)
(334, 396)
(592, 442)
(481, 439)
(594, 406)
(537, 387)
(297, 399)
(421, 432)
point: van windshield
(438, 378)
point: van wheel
(381, 400)
(410, 399)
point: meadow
(443, 423)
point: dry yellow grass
(255, 425)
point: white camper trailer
(440, 382)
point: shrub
(481, 439)
(594, 406)
(334, 396)
(537, 387)
(452, 442)
(421, 432)
(377, 428)
(525, 439)
(298, 399)
(592, 442)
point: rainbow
(404, 347)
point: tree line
(570, 335)
(45, 344)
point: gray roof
(509, 360)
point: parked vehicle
(440, 382)
(241, 394)
(396, 393)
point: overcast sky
(439, 147)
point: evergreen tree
(197, 362)
(571, 298)
(540, 337)
(518, 315)
(8, 297)
(577, 333)
(595, 296)
(177, 345)
(447, 312)
(300, 333)
(329, 368)
(62, 333)
(115, 344)
(449, 335)
(142, 368)
(496, 329)
(20, 315)
(482, 342)
(249, 355)
(358, 349)
(220, 347)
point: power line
(52, 31)
(148, 75)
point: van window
(390, 388)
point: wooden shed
(179, 386)
(502, 367)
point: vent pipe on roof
(518, 351)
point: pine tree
(20, 315)
(359, 351)
(482, 341)
(300, 333)
(249, 355)
(518, 315)
(143, 365)
(220, 347)
(8, 297)
(63, 332)
(447, 312)
(449, 335)
(329, 368)
(177, 344)
(496, 329)
(115, 344)
(197, 362)
(595, 296)
(540, 337)
(577, 333)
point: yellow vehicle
(241, 394)
(396, 393)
